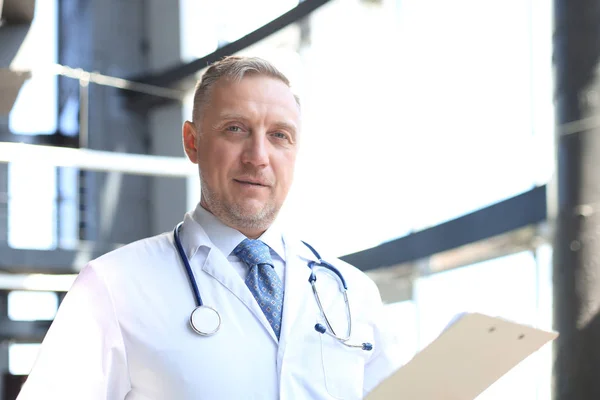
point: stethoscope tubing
(312, 279)
(187, 266)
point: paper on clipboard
(464, 360)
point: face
(245, 146)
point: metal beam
(515, 213)
(23, 331)
(17, 11)
(59, 283)
(57, 139)
(179, 73)
(20, 261)
(577, 242)
(10, 85)
(15, 21)
(96, 160)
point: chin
(252, 208)
(255, 211)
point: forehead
(254, 95)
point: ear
(190, 140)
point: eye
(233, 128)
(280, 135)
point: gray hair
(233, 68)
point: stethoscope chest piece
(205, 320)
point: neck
(250, 234)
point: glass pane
(31, 206)
(545, 357)
(68, 224)
(21, 357)
(514, 287)
(68, 208)
(207, 24)
(402, 317)
(35, 110)
(32, 306)
(69, 117)
(412, 118)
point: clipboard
(467, 358)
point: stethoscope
(206, 320)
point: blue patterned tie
(262, 280)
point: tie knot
(253, 252)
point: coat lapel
(197, 244)
(298, 293)
(217, 266)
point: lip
(251, 181)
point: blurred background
(428, 156)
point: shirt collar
(273, 237)
(226, 238)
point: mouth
(251, 182)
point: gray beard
(235, 215)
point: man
(123, 331)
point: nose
(256, 151)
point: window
(516, 287)
(68, 208)
(402, 317)
(413, 118)
(206, 25)
(31, 205)
(418, 118)
(36, 108)
(21, 357)
(32, 306)
(32, 185)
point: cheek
(285, 167)
(215, 161)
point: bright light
(31, 205)
(35, 110)
(32, 306)
(95, 160)
(55, 283)
(21, 357)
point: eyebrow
(231, 115)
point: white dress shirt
(226, 240)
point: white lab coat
(122, 332)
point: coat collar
(193, 236)
(204, 229)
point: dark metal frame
(509, 215)
(174, 75)
(56, 139)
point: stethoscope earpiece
(320, 328)
(367, 346)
